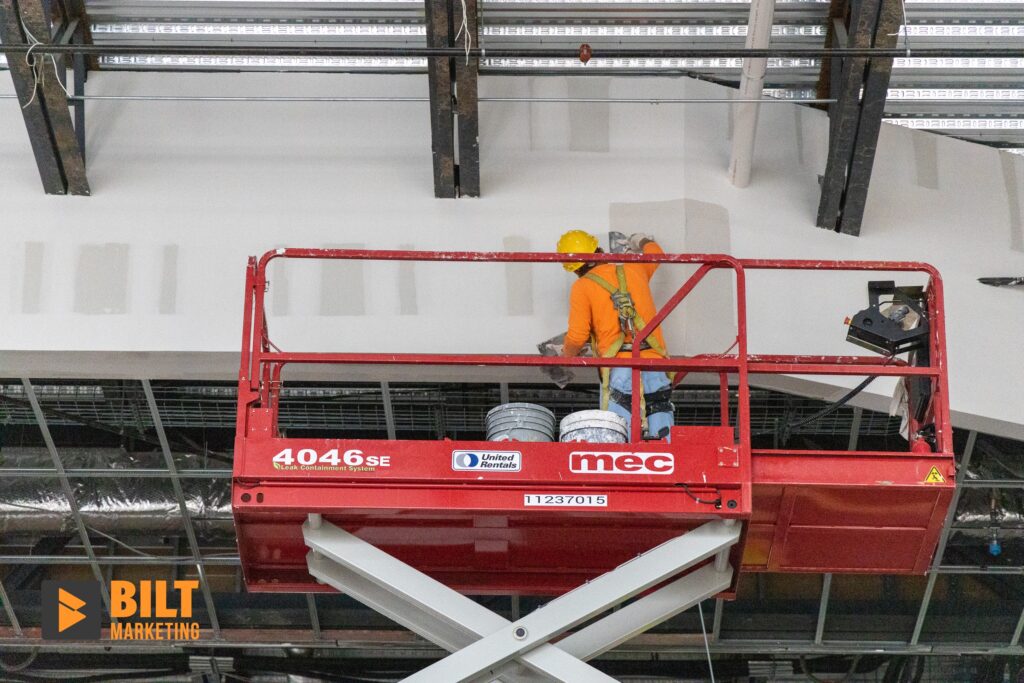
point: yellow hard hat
(576, 242)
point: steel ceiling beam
(55, 143)
(860, 85)
(440, 81)
(467, 111)
(453, 33)
(321, 50)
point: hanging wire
(38, 67)
(707, 647)
(905, 28)
(464, 28)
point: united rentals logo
(71, 610)
(145, 610)
(504, 461)
(595, 462)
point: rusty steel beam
(876, 87)
(467, 71)
(454, 102)
(859, 85)
(54, 141)
(39, 133)
(845, 114)
(442, 119)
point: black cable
(827, 410)
(686, 489)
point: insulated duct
(36, 505)
(982, 510)
(32, 505)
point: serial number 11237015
(564, 500)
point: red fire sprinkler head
(585, 53)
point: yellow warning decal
(934, 477)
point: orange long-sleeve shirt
(591, 311)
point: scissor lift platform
(407, 526)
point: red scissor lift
(403, 527)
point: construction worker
(608, 305)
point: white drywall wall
(145, 277)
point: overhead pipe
(234, 49)
(531, 100)
(759, 33)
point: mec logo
(593, 462)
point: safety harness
(630, 321)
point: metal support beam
(716, 622)
(65, 485)
(454, 109)
(314, 616)
(876, 88)
(44, 102)
(858, 415)
(826, 589)
(940, 550)
(923, 611)
(186, 520)
(1015, 640)
(759, 33)
(961, 479)
(440, 79)
(389, 410)
(859, 84)
(9, 609)
(80, 73)
(484, 643)
(467, 111)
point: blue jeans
(622, 381)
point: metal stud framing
(9, 609)
(940, 550)
(186, 520)
(69, 492)
(826, 589)
(859, 85)
(55, 142)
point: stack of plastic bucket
(593, 426)
(520, 422)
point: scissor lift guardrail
(398, 525)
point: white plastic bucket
(593, 426)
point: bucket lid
(520, 407)
(584, 419)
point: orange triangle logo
(67, 611)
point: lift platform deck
(544, 518)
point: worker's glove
(637, 241)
